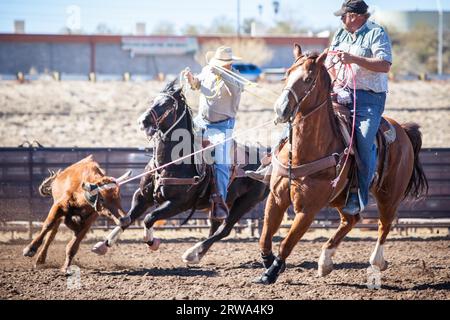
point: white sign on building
(159, 45)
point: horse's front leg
(140, 203)
(273, 215)
(300, 225)
(166, 210)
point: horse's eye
(308, 80)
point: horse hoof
(324, 270)
(191, 256)
(270, 276)
(154, 245)
(100, 248)
(29, 252)
(380, 266)
(265, 280)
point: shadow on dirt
(312, 265)
(421, 287)
(161, 272)
(246, 240)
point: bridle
(306, 93)
(159, 120)
(296, 109)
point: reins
(298, 102)
(347, 70)
(159, 120)
(347, 67)
(242, 132)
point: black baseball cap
(354, 6)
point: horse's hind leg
(325, 264)
(387, 215)
(273, 215)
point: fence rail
(23, 169)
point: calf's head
(104, 196)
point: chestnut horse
(306, 101)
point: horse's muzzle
(281, 108)
(145, 126)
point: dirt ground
(419, 268)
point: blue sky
(49, 16)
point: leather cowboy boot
(352, 206)
(219, 210)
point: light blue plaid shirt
(371, 41)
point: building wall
(104, 55)
(283, 55)
(44, 57)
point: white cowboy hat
(221, 57)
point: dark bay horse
(306, 98)
(168, 116)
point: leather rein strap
(294, 172)
(179, 181)
(306, 169)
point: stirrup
(262, 174)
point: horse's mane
(176, 91)
(312, 55)
(324, 77)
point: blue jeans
(369, 108)
(217, 132)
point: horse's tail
(45, 189)
(418, 183)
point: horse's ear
(321, 59)
(297, 51)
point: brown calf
(80, 194)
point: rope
(193, 153)
(245, 82)
(347, 67)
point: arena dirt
(418, 269)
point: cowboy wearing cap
(366, 47)
(218, 105)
